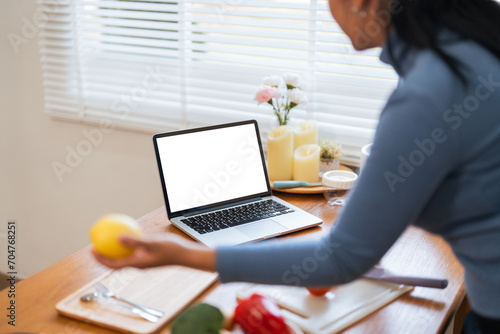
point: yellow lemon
(106, 231)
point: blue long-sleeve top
(434, 163)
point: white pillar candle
(305, 133)
(306, 163)
(280, 153)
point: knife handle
(289, 184)
(417, 281)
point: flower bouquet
(283, 94)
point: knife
(294, 184)
(383, 275)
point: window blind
(166, 65)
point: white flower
(273, 81)
(292, 80)
(297, 96)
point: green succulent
(330, 150)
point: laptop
(217, 189)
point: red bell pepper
(259, 314)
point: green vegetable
(200, 319)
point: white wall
(53, 217)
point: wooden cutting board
(169, 289)
(341, 307)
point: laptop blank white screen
(211, 166)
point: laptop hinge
(220, 207)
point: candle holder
(336, 185)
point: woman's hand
(168, 250)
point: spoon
(97, 295)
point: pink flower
(266, 93)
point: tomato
(320, 291)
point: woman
(435, 160)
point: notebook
(217, 189)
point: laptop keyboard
(218, 220)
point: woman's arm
(168, 250)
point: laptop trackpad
(262, 229)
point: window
(165, 65)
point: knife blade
(383, 275)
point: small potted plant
(329, 155)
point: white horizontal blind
(235, 46)
(166, 64)
(350, 87)
(123, 58)
(61, 77)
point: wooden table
(416, 253)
